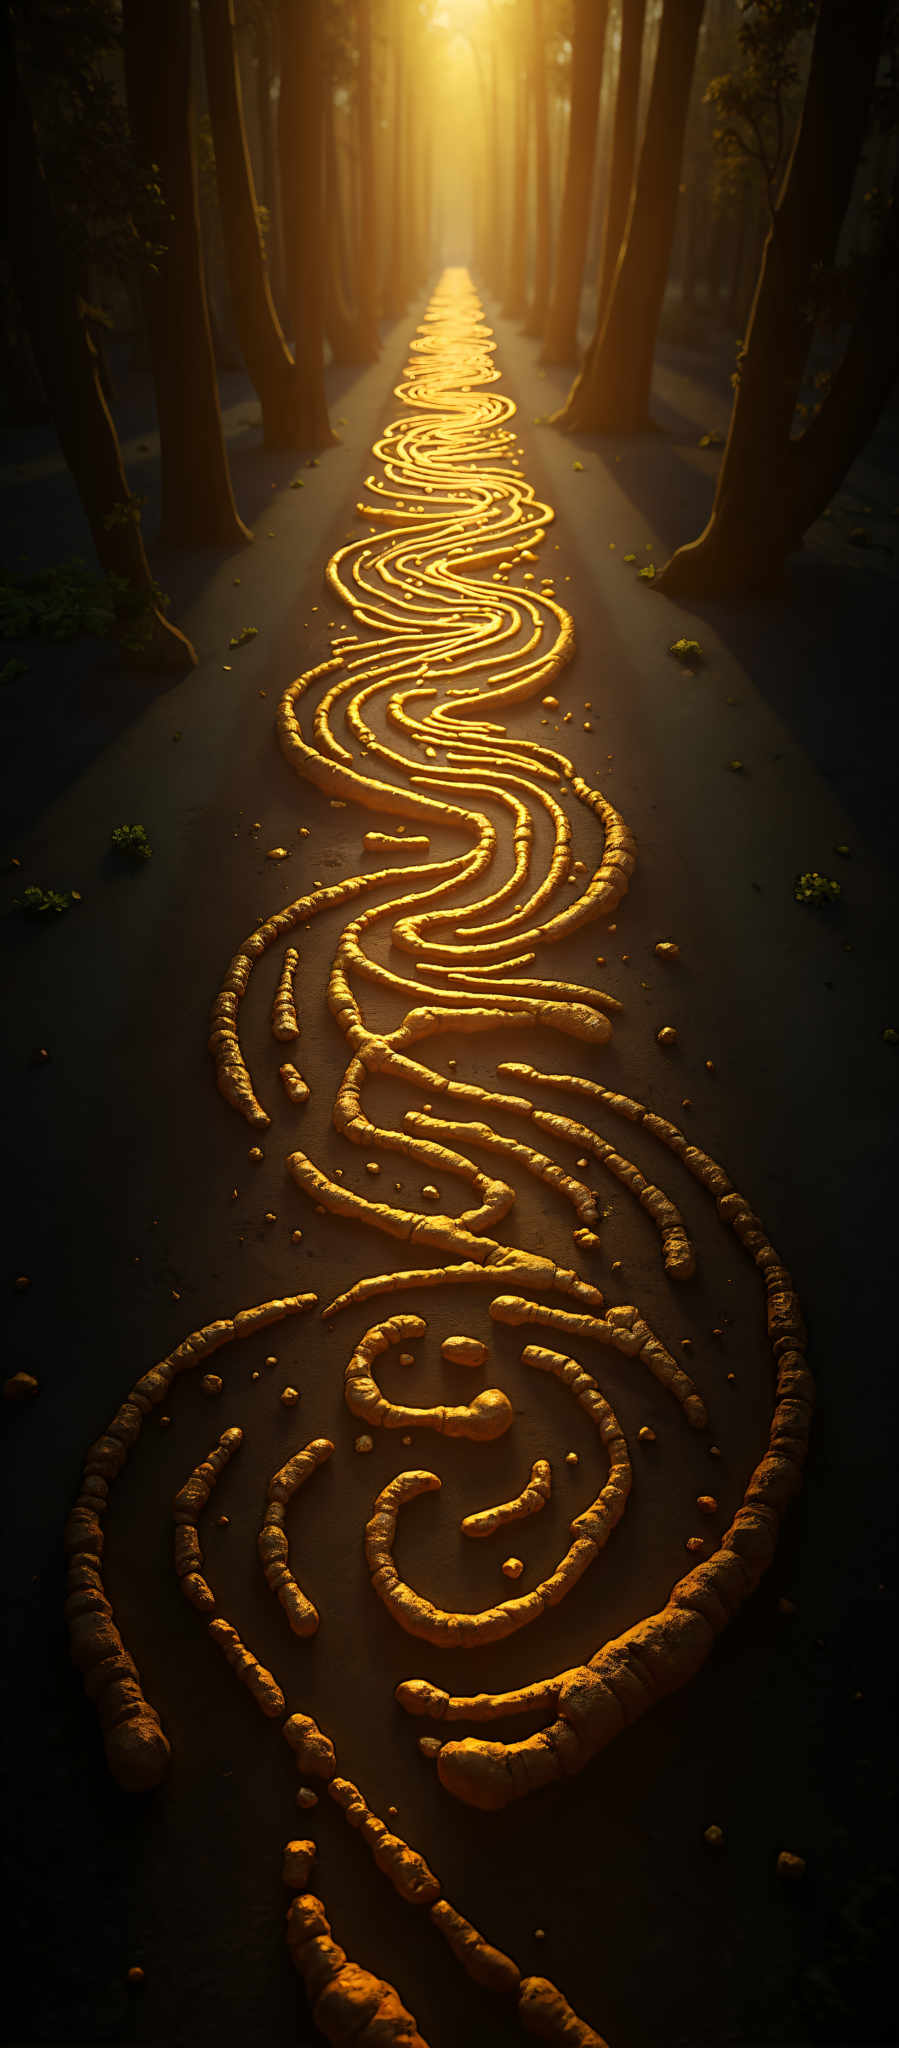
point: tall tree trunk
(760, 495)
(495, 199)
(262, 343)
(271, 184)
(516, 254)
(560, 342)
(611, 394)
(738, 252)
(396, 290)
(198, 506)
(624, 149)
(45, 279)
(536, 317)
(301, 159)
(340, 324)
(367, 253)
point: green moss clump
(814, 888)
(131, 840)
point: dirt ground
(121, 1161)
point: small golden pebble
(272, 1358)
(406, 1440)
(615, 1266)
(364, 1443)
(707, 1504)
(600, 959)
(289, 1397)
(667, 950)
(710, 1066)
(165, 1421)
(224, 1521)
(686, 1102)
(732, 1377)
(646, 1435)
(21, 1281)
(211, 1383)
(256, 1374)
(431, 1194)
(430, 1745)
(686, 1343)
(407, 1358)
(790, 1866)
(306, 1796)
(667, 1035)
(392, 1812)
(539, 1933)
(270, 1216)
(256, 1154)
(512, 1568)
(571, 1458)
(714, 1452)
(695, 1544)
(713, 1838)
(135, 1974)
(371, 1166)
(235, 1195)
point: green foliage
(246, 633)
(814, 888)
(70, 599)
(756, 107)
(37, 902)
(647, 573)
(628, 558)
(131, 840)
(126, 513)
(687, 651)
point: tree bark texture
(624, 148)
(300, 153)
(765, 490)
(536, 315)
(46, 284)
(611, 395)
(560, 337)
(262, 343)
(516, 255)
(198, 508)
(396, 289)
(367, 253)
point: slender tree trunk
(301, 158)
(496, 210)
(738, 251)
(340, 324)
(271, 185)
(396, 290)
(45, 280)
(560, 342)
(760, 496)
(198, 506)
(516, 255)
(262, 343)
(367, 278)
(611, 394)
(542, 248)
(624, 149)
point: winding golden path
(403, 721)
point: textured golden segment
(295, 1088)
(271, 1542)
(488, 1416)
(624, 1331)
(542, 2010)
(408, 1872)
(582, 1198)
(347, 2003)
(137, 1749)
(522, 1265)
(390, 842)
(260, 1684)
(188, 1505)
(314, 1751)
(284, 1015)
(461, 1350)
(532, 1498)
(485, 1964)
(600, 1518)
(420, 1617)
(677, 1249)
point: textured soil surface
(121, 1165)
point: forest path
(791, 1023)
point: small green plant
(37, 902)
(577, 465)
(688, 652)
(628, 558)
(647, 573)
(131, 840)
(296, 484)
(70, 599)
(246, 633)
(814, 888)
(126, 513)
(712, 439)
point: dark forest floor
(120, 1164)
